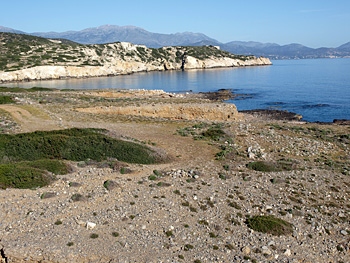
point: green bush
(17, 176)
(73, 144)
(6, 100)
(280, 165)
(214, 133)
(93, 235)
(270, 225)
(39, 89)
(262, 166)
(53, 166)
(26, 158)
(33, 174)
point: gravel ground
(191, 209)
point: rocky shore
(193, 208)
(120, 68)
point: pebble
(344, 232)
(246, 250)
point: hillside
(25, 57)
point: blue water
(317, 89)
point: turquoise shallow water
(317, 89)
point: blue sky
(314, 23)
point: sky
(313, 23)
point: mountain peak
(136, 35)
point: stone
(344, 232)
(266, 250)
(90, 225)
(246, 250)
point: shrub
(73, 144)
(270, 225)
(6, 100)
(30, 174)
(39, 89)
(93, 235)
(169, 233)
(262, 166)
(214, 133)
(280, 165)
(115, 234)
(23, 177)
(58, 222)
(26, 158)
(187, 247)
(152, 177)
(53, 166)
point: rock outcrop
(122, 67)
(195, 111)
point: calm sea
(317, 89)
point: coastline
(198, 208)
(122, 68)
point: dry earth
(195, 211)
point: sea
(317, 89)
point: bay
(317, 89)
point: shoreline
(227, 94)
(39, 73)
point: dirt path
(30, 119)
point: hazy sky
(314, 23)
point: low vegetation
(264, 166)
(6, 100)
(214, 133)
(270, 225)
(30, 174)
(30, 160)
(20, 90)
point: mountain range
(136, 35)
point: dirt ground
(199, 213)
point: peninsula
(26, 58)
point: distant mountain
(110, 33)
(136, 35)
(291, 51)
(10, 30)
(345, 47)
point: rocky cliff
(38, 59)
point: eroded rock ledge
(194, 111)
(62, 72)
